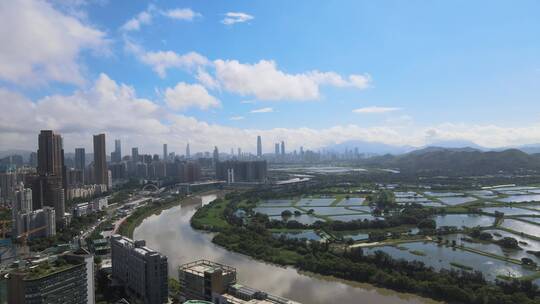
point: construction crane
(24, 236)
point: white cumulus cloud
(184, 95)
(142, 18)
(236, 17)
(114, 108)
(206, 79)
(263, 110)
(181, 14)
(266, 82)
(375, 110)
(39, 44)
(163, 60)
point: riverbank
(171, 234)
(132, 221)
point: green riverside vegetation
(253, 236)
(135, 219)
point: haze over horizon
(310, 73)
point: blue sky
(426, 71)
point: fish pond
(510, 211)
(440, 256)
(521, 226)
(352, 201)
(464, 220)
(306, 202)
(304, 234)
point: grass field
(210, 217)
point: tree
(508, 242)
(486, 236)
(286, 213)
(384, 199)
(528, 262)
(427, 224)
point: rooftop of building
(201, 267)
(256, 296)
(138, 246)
(234, 300)
(47, 268)
(43, 267)
(99, 241)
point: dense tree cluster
(379, 269)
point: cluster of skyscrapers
(147, 166)
(38, 198)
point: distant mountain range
(369, 148)
(376, 148)
(26, 155)
(458, 161)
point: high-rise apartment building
(8, 183)
(67, 278)
(259, 146)
(49, 187)
(188, 152)
(80, 159)
(80, 162)
(23, 200)
(50, 154)
(140, 270)
(282, 147)
(35, 224)
(135, 154)
(276, 149)
(101, 175)
(242, 171)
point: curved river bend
(171, 234)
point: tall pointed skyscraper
(259, 146)
(165, 153)
(216, 155)
(101, 173)
(116, 156)
(188, 153)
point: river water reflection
(171, 234)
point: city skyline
(269, 152)
(132, 79)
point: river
(171, 234)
